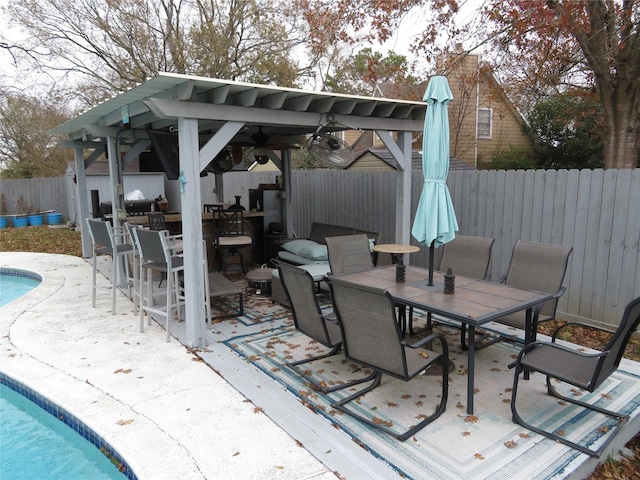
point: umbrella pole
(431, 249)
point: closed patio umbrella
(435, 222)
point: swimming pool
(39, 438)
(15, 283)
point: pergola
(209, 114)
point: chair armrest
(534, 345)
(430, 338)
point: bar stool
(108, 241)
(156, 254)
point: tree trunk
(621, 124)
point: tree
(537, 47)
(367, 72)
(591, 42)
(111, 46)
(568, 132)
(27, 150)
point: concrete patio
(193, 414)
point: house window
(485, 116)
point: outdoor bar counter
(254, 226)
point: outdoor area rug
(456, 445)
(258, 308)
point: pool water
(14, 284)
(36, 445)
(34, 442)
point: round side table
(396, 250)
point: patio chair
(308, 319)
(349, 254)
(157, 222)
(156, 254)
(578, 368)
(371, 337)
(534, 266)
(110, 241)
(230, 236)
(468, 256)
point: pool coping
(168, 413)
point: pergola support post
(194, 267)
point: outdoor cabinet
(267, 201)
(270, 203)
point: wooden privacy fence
(33, 195)
(595, 211)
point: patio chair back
(468, 256)
(370, 331)
(102, 236)
(619, 340)
(349, 254)
(156, 221)
(540, 267)
(307, 316)
(152, 248)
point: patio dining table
(474, 303)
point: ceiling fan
(259, 151)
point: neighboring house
(381, 159)
(482, 119)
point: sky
(410, 27)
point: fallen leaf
(471, 418)
(125, 422)
(510, 444)
(380, 421)
(258, 410)
(236, 454)
(478, 456)
(466, 434)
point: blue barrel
(36, 220)
(54, 218)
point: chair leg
(114, 282)
(169, 309)
(93, 280)
(318, 386)
(622, 419)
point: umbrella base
(422, 285)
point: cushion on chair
(234, 240)
(307, 249)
